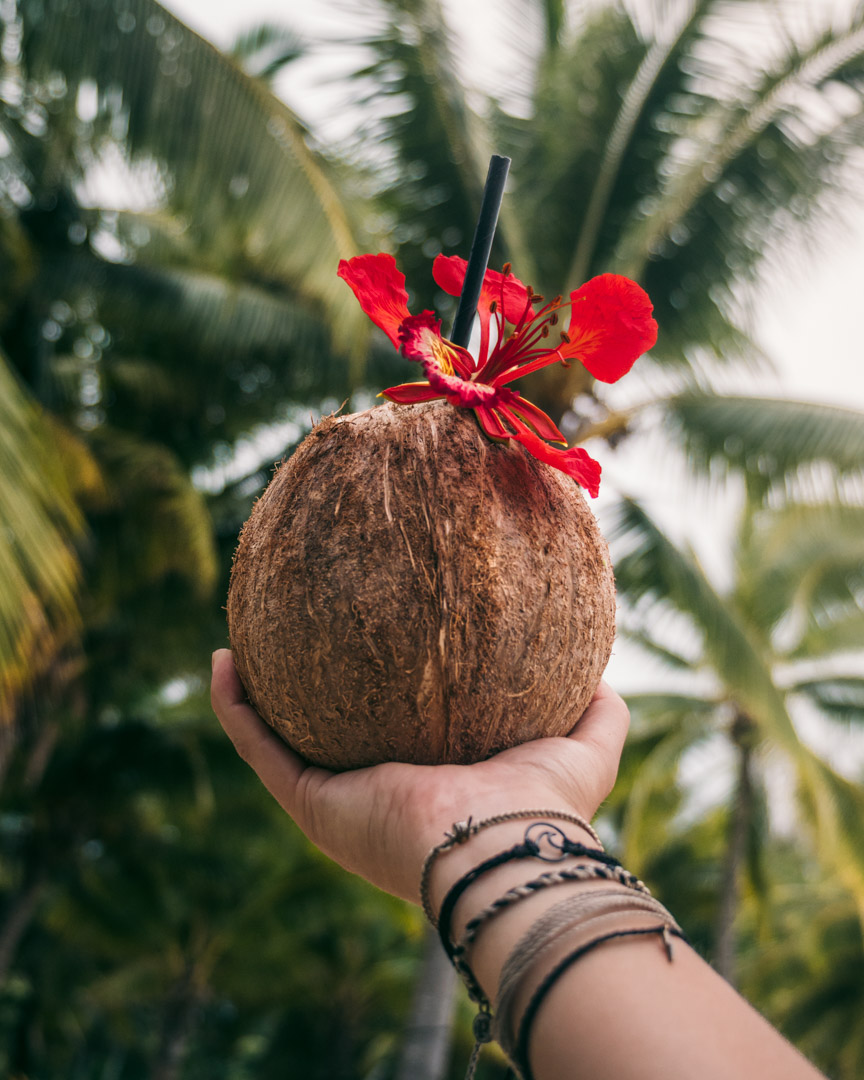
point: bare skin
(631, 1014)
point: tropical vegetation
(160, 348)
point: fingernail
(213, 659)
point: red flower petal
(610, 326)
(535, 418)
(490, 422)
(459, 391)
(380, 287)
(410, 393)
(444, 363)
(420, 339)
(449, 273)
(576, 462)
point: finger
(604, 724)
(277, 766)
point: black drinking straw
(481, 245)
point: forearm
(622, 1011)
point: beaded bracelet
(462, 831)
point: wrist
(435, 816)
(481, 881)
(456, 861)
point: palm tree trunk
(22, 907)
(177, 1023)
(726, 937)
(426, 1042)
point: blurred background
(177, 186)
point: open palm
(380, 822)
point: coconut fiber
(407, 590)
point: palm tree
(167, 323)
(782, 633)
(670, 142)
(805, 969)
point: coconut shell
(407, 590)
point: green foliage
(155, 905)
(155, 83)
(39, 573)
(787, 558)
(769, 441)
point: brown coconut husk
(407, 590)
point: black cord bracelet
(520, 1057)
(529, 848)
(579, 872)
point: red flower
(610, 327)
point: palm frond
(265, 49)
(224, 147)
(652, 712)
(836, 806)
(155, 525)
(438, 147)
(653, 647)
(223, 354)
(653, 573)
(801, 564)
(830, 632)
(716, 147)
(841, 697)
(662, 53)
(768, 440)
(554, 169)
(42, 523)
(657, 773)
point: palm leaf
(224, 146)
(801, 564)
(39, 569)
(216, 356)
(837, 809)
(650, 645)
(661, 54)
(829, 633)
(840, 697)
(651, 711)
(768, 440)
(155, 525)
(554, 167)
(658, 771)
(264, 50)
(742, 122)
(438, 146)
(654, 573)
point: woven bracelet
(462, 831)
(574, 912)
(529, 848)
(580, 872)
(520, 1058)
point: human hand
(380, 822)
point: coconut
(407, 590)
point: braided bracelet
(529, 848)
(520, 1057)
(575, 912)
(462, 831)
(580, 872)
